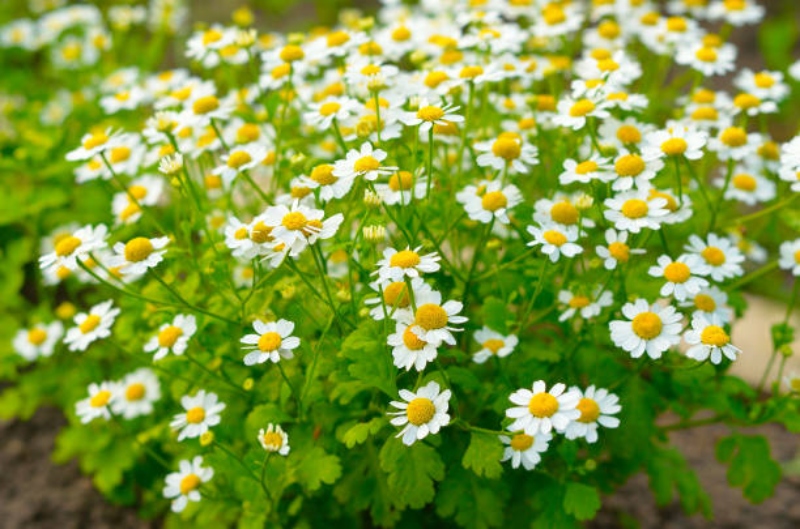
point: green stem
(186, 303)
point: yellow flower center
(507, 148)
(714, 335)
(100, 398)
(619, 251)
(763, 80)
(435, 78)
(282, 70)
(797, 257)
(412, 341)
(119, 154)
(745, 182)
(545, 102)
(553, 15)
(581, 107)
(261, 233)
(402, 180)
(323, 174)
(371, 69)
(247, 133)
(138, 249)
(90, 323)
(269, 341)
(564, 212)
(405, 259)
(586, 167)
(706, 54)
(672, 204)
(138, 192)
(589, 409)
(578, 302)
(556, 238)
(470, 72)
(543, 405)
(430, 113)
(735, 5)
(676, 24)
(294, 221)
(238, 159)
(420, 411)
(135, 391)
(205, 104)
(745, 101)
(366, 164)
(629, 165)
(705, 303)
(291, 53)
(67, 245)
(494, 200)
(330, 108)
(713, 256)
(674, 146)
(196, 415)
(647, 325)
(211, 36)
(733, 137)
(337, 38)
(635, 208)
(95, 140)
(521, 442)
(705, 114)
(401, 34)
(629, 134)
(37, 336)
(430, 316)
(608, 29)
(189, 483)
(240, 234)
(273, 440)
(168, 336)
(396, 295)
(493, 345)
(769, 150)
(677, 272)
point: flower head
(540, 411)
(421, 413)
(182, 486)
(273, 342)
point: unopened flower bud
(170, 165)
(243, 16)
(297, 160)
(417, 57)
(343, 294)
(372, 199)
(206, 438)
(584, 202)
(248, 383)
(786, 350)
(288, 291)
(245, 38)
(366, 23)
(374, 234)
(66, 310)
(494, 244)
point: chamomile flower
(736, 12)
(634, 171)
(585, 306)
(617, 251)
(395, 297)
(433, 319)
(94, 144)
(403, 187)
(172, 337)
(240, 159)
(748, 187)
(77, 245)
(791, 174)
(139, 254)
(681, 275)
(792, 381)
(427, 115)
(790, 257)
(708, 340)
(136, 394)
(38, 341)
(722, 258)
(422, 413)
(541, 411)
(711, 302)
(509, 151)
(708, 60)
(408, 350)
(732, 143)
(274, 439)
(597, 407)
(364, 162)
(574, 113)
(556, 240)
(273, 342)
(91, 326)
(98, 404)
(493, 344)
(182, 486)
(634, 210)
(675, 141)
(524, 449)
(201, 412)
(397, 265)
(647, 328)
(492, 200)
(300, 226)
(594, 168)
(561, 210)
(330, 186)
(144, 191)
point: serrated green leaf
(668, 471)
(494, 314)
(371, 362)
(581, 501)
(750, 465)
(412, 471)
(483, 455)
(317, 467)
(361, 431)
(482, 510)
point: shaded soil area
(35, 494)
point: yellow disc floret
(138, 249)
(543, 405)
(269, 341)
(430, 316)
(420, 411)
(647, 325)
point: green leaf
(361, 431)
(371, 362)
(412, 471)
(581, 501)
(668, 470)
(317, 467)
(494, 314)
(776, 38)
(751, 466)
(471, 501)
(483, 455)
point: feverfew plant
(473, 260)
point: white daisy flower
(634, 171)
(202, 412)
(573, 113)
(182, 486)
(597, 406)
(321, 115)
(408, 350)
(791, 174)
(273, 341)
(676, 140)
(681, 275)
(593, 168)
(493, 344)
(428, 115)
(394, 298)
(138, 255)
(722, 258)
(75, 246)
(508, 151)
(711, 302)
(38, 341)
(540, 411)
(617, 250)
(562, 210)
(136, 394)
(91, 326)
(93, 144)
(732, 143)
(748, 187)
(585, 306)
(395, 266)
(239, 159)
(403, 187)
(127, 205)
(648, 328)
(790, 257)
(330, 186)
(556, 240)
(792, 381)
(736, 12)
(524, 449)
(432, 320)
(274, 439)
(364, 162)
(708, 60)
(422, 413)
(101, 396)
(172, 337)
(634, 210)
(299, 226)
(708, 339)
(490, 200)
